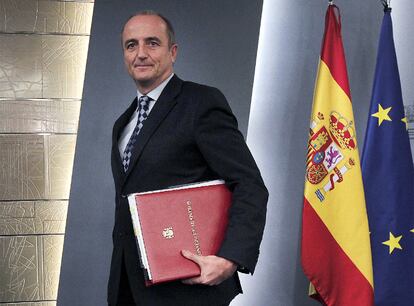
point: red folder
(192, 217)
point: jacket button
(123, 196)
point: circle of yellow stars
(383, 115)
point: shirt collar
(156, 92)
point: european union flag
(388, 175)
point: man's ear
(174, 51)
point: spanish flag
(336, 253)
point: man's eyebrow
(153, 38)
(129, 41)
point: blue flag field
(388, 175)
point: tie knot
(143, 102)
(143, 99)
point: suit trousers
(125, 297)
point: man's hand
(214, 269)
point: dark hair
(170, 29)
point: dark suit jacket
(190, 136)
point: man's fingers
(213, 269)
(199, 280)
(192, 281)
(196, 258)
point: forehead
(142, 26)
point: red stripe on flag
(332, 52)
(335, 277)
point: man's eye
(153, 43)
(130, 45)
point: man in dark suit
(178, 132)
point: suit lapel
(162, 107)
(118, 127)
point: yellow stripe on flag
(342, 209)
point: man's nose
(142, 52)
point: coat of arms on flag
(327, 159)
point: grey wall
(217, 46)
(402, 13)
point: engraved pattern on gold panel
(64, 62)
(45, 16)
(20, 66)
(52, 248)
(30, 267)
(42, 66)
(33, 217)
(30, 304)
(89, 1)
(22, 167)
(36, 166)
(39, 116)
(61, 151)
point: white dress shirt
(129, 128)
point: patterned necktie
(143, 111)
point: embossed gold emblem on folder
(168, 233)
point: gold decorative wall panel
(52, 67)
(20, 66)
(36, 167)
(63, 66)
(22, 167)
(30, 267)
(32, 217)
(45, 16)
(43, 50)
(60, 154)
(31, 304)
(39, 116)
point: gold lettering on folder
(193, 228)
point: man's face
(147, 55)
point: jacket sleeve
(226, 153)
